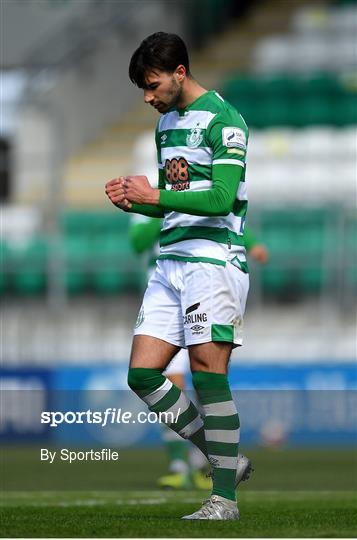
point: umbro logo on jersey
(163, 138)
(192, 308)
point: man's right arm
(151, 210)
(115, 192)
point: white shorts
(191, 303)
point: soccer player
(197, 295)
(187, 466)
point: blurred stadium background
(71, 120)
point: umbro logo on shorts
(196, 328)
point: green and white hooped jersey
(190, 143)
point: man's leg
(176, 446)
(209, 363)
(187, 464)
(178, 475)
(149, 358)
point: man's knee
(200, 358)
(212, 357)
(152, 353)
(144, 380)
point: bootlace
(208, 506)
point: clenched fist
(137, 189)
(125, 190)
(115, 192)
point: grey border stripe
(222, 435)
(182, 403)
(191, 428)
(223, 462)
(223, 408)
(158, 394)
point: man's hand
(259, 253)
(137, 189)
(115, 192)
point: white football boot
(217, 508)
(244, 469)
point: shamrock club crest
(195, 137)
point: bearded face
(162, 90)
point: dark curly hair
(159, 51)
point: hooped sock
(162, 396)
(221, 429)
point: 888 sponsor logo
(176, 170)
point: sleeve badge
(234, 137)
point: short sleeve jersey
(190, 143)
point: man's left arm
(228, 151)
(217, 201)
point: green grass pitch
(293, 493)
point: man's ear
(180, 73)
